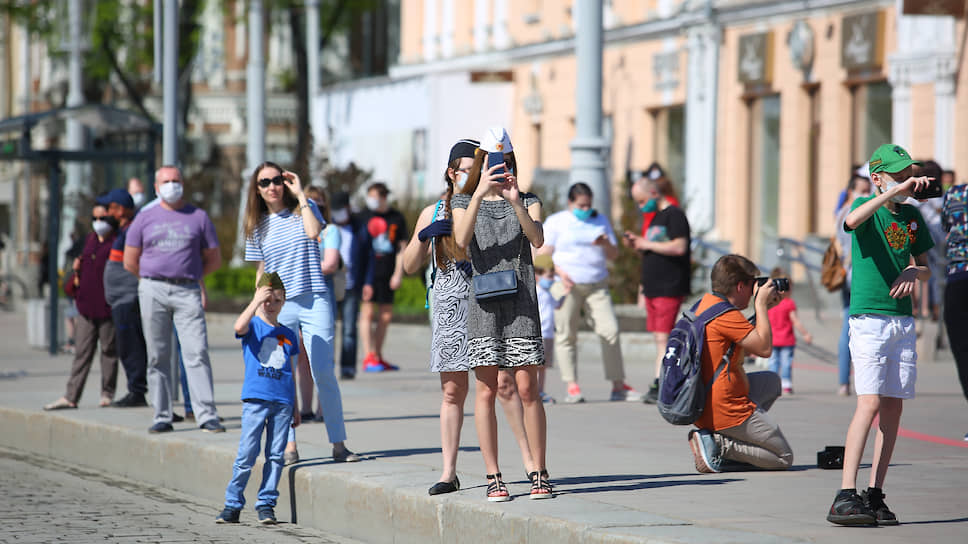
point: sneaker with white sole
(627, 394)
(705, 451)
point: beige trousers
(595, 299)
(758, 441)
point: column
(481, 25)
(944, 119)
(447, 29)
(430, 30)
(502, 39)
(701, 97)
(900, 106)
(588, 149)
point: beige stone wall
(922, 121)
(411, 31)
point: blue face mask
(649, 206)
(545, 283)
(582, 215)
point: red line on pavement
(907, 433)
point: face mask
(582, 215)
(461, 181)
(545, 283)
(139, 199)
(897, 198)
(649, 206)
(341, 216)
(102, 228)
(171, 192)
(372, 203)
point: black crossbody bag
(500, 284)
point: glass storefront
(872, 118)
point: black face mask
(111, 220)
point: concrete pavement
(622, 474)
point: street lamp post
(588, 149)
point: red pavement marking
(902, 432)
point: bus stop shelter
(114, 135)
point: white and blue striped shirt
(281, 242)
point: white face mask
(171, 192)
(341, 216)
(897, 198)
(102, 228)
(461, 181)
(139, 199)
(372, 203)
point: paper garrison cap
(270, 279)
(496, 140)
(543, 261)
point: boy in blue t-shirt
(268, 395)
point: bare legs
(453, 386)
(869, 406)
(661, 339)
(507, 393)
(533, 415)
(373, 324)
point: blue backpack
(682, 393)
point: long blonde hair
(255, 206)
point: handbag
(500, 284)
(832, 272)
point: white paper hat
(864, 170)
(496, 140)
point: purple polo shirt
(172, 241)
(90, 292)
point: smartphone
(494, 159)
(933, 190)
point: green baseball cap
(891, 158)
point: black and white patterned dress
(448, 315)
(505, 332)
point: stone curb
(372, 501)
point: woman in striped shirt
(281, 228)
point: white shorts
(883, 352)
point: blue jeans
(349, 310)
(781, 362)
(313, 314)
(275, 418)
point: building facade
(759, 110)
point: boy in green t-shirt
(890, 240)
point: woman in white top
(581, 242)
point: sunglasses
(99, 217)
(265, 182)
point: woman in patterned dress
(495, 223)
(448, 320)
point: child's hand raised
(263, 294)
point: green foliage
(231, 282)
(411, 296)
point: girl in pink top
(783, 319)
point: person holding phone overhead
(494, 222)
(581, 242)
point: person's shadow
(630, 482)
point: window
(872, 118)
(669, 148)
(764, 178)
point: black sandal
(496, 490)
(440, 488)
(541, 488)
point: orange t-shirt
(729, 402)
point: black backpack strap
(711, 313)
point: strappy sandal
(541, 488)
(496, 490)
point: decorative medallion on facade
(801, 44)
(862, 41)
(665, 68)
(756, 59)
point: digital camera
(781, 284)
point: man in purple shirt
(171, 246)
